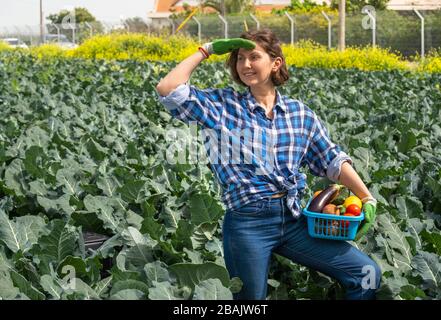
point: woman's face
(255, 66)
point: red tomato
(353, 209)
(344, 224)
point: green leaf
(409, 207)
(167, 291)
(407, 142)
(102, 287)
(35, 162)
(212, 289)
(202, 234)
(51, 287)
(67, 180)
(7, 289)
(428, 266)
(59, 243)
(410, 292)
(56, 205)
(433, 241)
(171, 217)
(131, 191)
(9, 233)
(129, 284)
(88, 221)
(191, 275)
(86, 269)
(153, 228)
(141, 251)
(96, 151)
(26, 287)
(109, 247)
(22, 233)
(108, 184)
(102, 207)
(156, 272)
(14, 179)
(128, 294)
(78, 289)
(204, 208)
(397, 245)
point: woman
(262, 195)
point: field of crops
(83, 149)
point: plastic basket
(329, 226)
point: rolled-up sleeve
(324, 157)
(175, 98)
(188, 103)
(334, 169)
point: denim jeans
(253, 232)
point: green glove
(369, 209)
(223, 46)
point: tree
(306, 4)
(81, 15)
(357, 5)
(342, 25)
(136, 24)
(228, 6)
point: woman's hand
(223, 46)
(370, 212)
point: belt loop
(282, 203)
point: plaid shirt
(293, 138)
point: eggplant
(323, 198)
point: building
(178, 5)
(164, 8)
(167, 6)
(414, 4)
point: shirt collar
(252, 103)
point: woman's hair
(271, 44)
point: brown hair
(271, 44)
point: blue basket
(329, 226)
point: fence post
(17, 29)
(30, 34)
(147, 24)
(292, 27)
(255, 20)
(58, 31)
(199, 29)
(172, 24)
(225, 25)
(74, 26)
(90, 28)
(374, 27)
(329, 29)
(126, 25)
(422, 31)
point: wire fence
(405, 32)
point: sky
(27, 12)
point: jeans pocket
(251, 209)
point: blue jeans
(253, 232)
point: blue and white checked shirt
(276, 150)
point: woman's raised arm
(180, 74)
